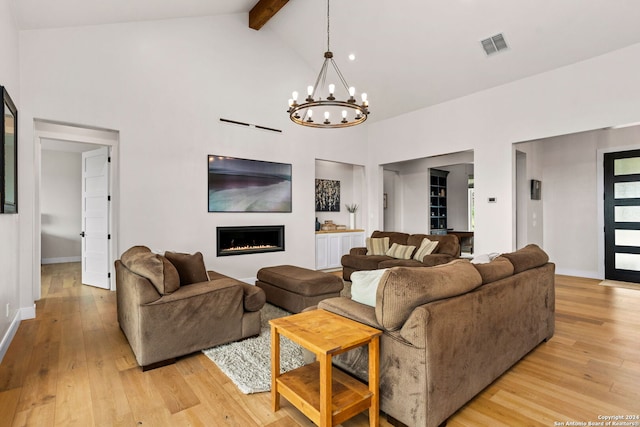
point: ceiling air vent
(494, 44)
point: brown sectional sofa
(357, 259)
(170, 306)
(451, 330)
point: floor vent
(494, 44)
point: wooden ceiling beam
(263, 11)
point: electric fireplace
(249, 239)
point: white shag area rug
(248, 362)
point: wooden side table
(326, 395)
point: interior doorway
(58, 153)
(622, 215)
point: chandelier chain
(328, 28)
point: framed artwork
(327, 195)
(243, 185)
(8, 155)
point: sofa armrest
(254, 298)
(351, 309)
(437, 259)
(414, 329)
(358, 251)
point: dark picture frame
(327, 195)
(536, 189)
(8, 155)
(245, 185)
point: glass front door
(622, 215)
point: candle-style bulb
(309, 90)
(290, 102)
(294, 95)
(310, 113)
(364, 97)
(344, 114)
(352, 91)
(332, 88)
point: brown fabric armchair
(164, 317)
(357, 259)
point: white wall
(10, 279)
(529, 213)
(392, 188)
(571, 174)
(164, 85)
(61, 206)
(596, 93)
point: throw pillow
(400, 251)
(426, 247)
(364, 285)
(190, 267)
(156, 268)
(377, 245)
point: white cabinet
(330, 246)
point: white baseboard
(578, 273)
(28, 312)
(8, 337)
(21, 314)
(60, 260)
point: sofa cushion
(530, 256)
(190, 267)
(364, 262)
(156, 268)
(400, 251)
(497, 269)
(401, 289)
(364, 285)
(377, 245)
(394, 237)
(447, 243)
(393, 262)
(426, 247)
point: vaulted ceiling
(408, 54)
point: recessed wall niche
(351, 178)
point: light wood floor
(72, 366)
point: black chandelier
(343, 113)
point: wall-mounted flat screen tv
(243, 185)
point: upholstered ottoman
(296, 288)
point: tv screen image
(244, 185)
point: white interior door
(95, 218)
